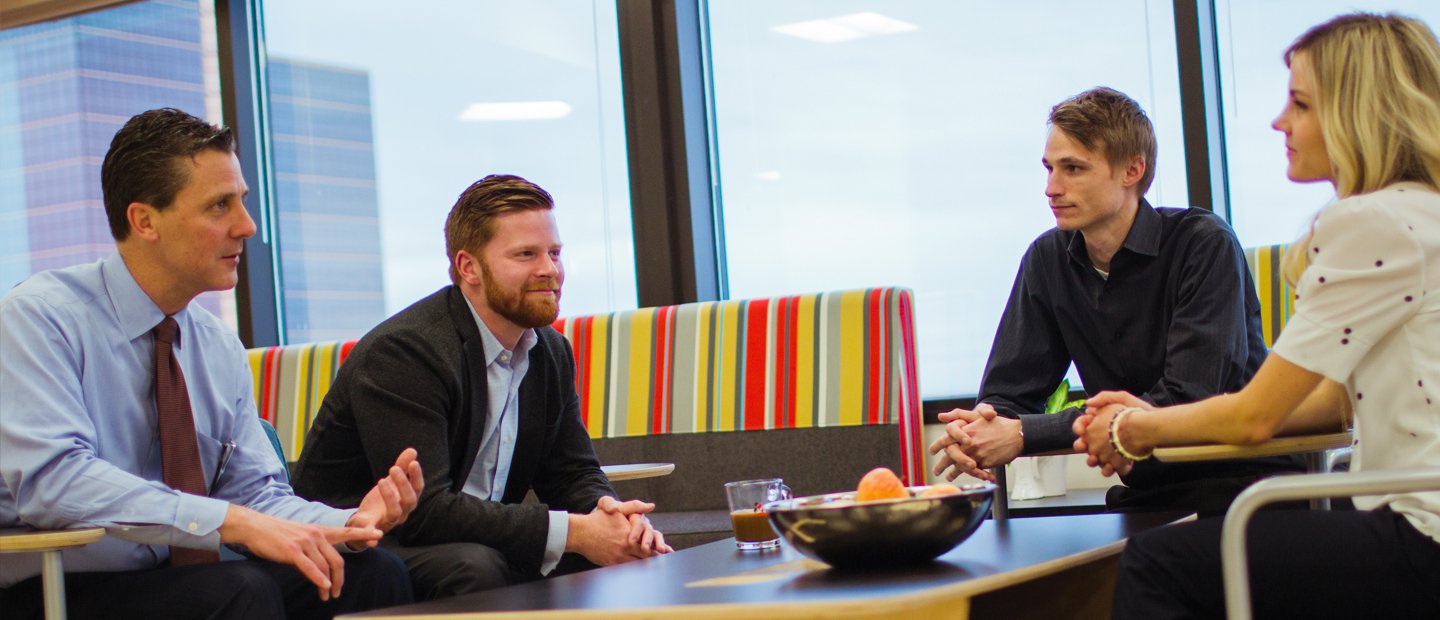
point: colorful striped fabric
(829, 359)
(1277, 299)
(290, 383)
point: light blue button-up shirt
(504, 370)
(78, 444)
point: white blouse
(1364, 319)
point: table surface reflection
(717, 580)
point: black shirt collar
(1143, 238)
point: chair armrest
(1288, 488)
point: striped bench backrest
(1277, 299)
(806, 361)
(290, 383)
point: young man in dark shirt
(1157, 302)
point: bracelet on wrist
(1115, 435)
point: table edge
(642, 470)
(952, 599)
(1274, 447)
(48, 540)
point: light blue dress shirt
(78, 445)
(504, 370)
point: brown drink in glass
(752, 524)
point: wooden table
(1311, 446)
(636, 471)
(48, 544)
(1041, 567)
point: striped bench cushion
(290, 383)
(1277, 299)
(806, 361)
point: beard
(518, 308)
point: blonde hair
(1377, 83)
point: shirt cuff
(555, 540)
(1046, 432)
(197, 521)
(336, 518)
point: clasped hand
(1092, 431)
(616, 532)
(975, 441)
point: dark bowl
(838, 531)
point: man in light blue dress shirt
(79, 445)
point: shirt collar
(136, 313)
(1143, 238)
(491, 345)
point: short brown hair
(144, 161)
(471, 223)
(1113, 120)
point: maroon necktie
(178, 449)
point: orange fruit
(880, 483)
(939, 490)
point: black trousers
(1303, 564)
(451, 569)
(245, 589)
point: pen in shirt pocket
(226, 449)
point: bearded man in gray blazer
(474, 377)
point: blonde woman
(1363, 113)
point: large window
(1266, 207)
(857, 143)
(66, 87)
(382, 112)
(899, 143)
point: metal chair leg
(1315, 464)
(1000, 506)
(53, 577)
